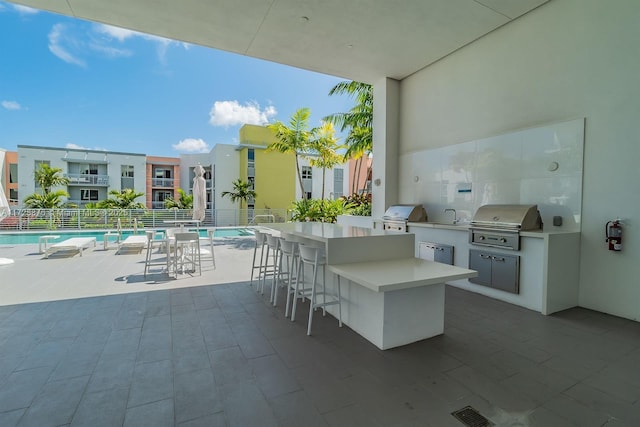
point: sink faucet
(455, 217)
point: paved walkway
(220, 355)
(32, 278)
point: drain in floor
(471, 418)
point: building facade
(93, 174)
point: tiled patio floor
(221, 355)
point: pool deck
(99, 272)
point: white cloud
(24, 10)
(59, 44)
(11, 105)
(122, 35)
(80, 147)
(230, 113)
(192, 145)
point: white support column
(386, 126)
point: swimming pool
(17, 238)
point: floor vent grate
(471, 418)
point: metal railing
(162, 182)
(87, 179)
(100, 219)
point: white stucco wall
(567, 59)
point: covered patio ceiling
(356, 39)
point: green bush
(318, 210)
(360, 204)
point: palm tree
(359, 122)
(49, 200)
(48, 177)
(185, 201)
(242, 192)
(324, 143)
(124, 199)
(293, 138)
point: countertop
(403, 273)
(323, 231)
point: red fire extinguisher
(613, 231)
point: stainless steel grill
(397, 217)
(500, 225)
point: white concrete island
(389, 297)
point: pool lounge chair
(136, 243)
(72, 244)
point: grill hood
(408, 213)
(508, 217)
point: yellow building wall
(275, 178)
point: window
(127, 171)
(306, 172)
(88, 194)
(89, 169)
(161, 196)
(308, 195)
(13, 195)
(251, 155)
(338, 176)
(126, 180)
(163, 173)
(13, 173)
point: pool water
(29, 237)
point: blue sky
(65, 82)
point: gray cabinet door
(443, 254)
(481, 262)
(505, 272)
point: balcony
(162, 182)
(88, 179)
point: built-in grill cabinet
(397, 217)
(495, 270)
(435, 252)
(500, 225)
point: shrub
(318, 210)
(360, 204)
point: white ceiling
(354, 39)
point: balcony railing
(88, 179)
(162, 182)
(101, 219)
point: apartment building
(93, 173)
(162, 180)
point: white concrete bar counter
(388, 296)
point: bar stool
(152, 243)
(187, 252)
(261, 242)
(289, 254)
(270, 268)
(315, 258)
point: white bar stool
(187, 252)
(261, 242)
(288, 254)
(271, 269)
(315, 258)
(152, 243)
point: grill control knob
(480, 237)
(503, 240)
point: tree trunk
(304, 195)
(355, 179)
(323, 179)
